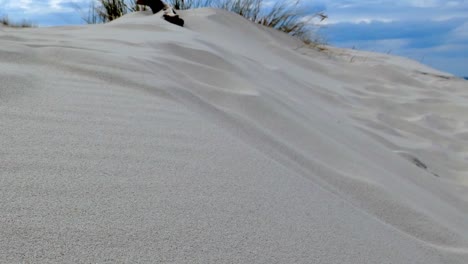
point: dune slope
(224, 142)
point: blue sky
(434, 32)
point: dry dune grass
(5, 21)
(286, 16)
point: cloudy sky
(434, 32)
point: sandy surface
(224, 142)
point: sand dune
(225, 142)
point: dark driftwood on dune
(169, 14)
(155, 5)
(174, 19)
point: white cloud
(357, 20)
(21, 4)
(453, 3)
(424, 3)
(355, 11)
(38, 6)
(58, 5)
(461, 31)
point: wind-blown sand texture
(140, 141)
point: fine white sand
(224, 142)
